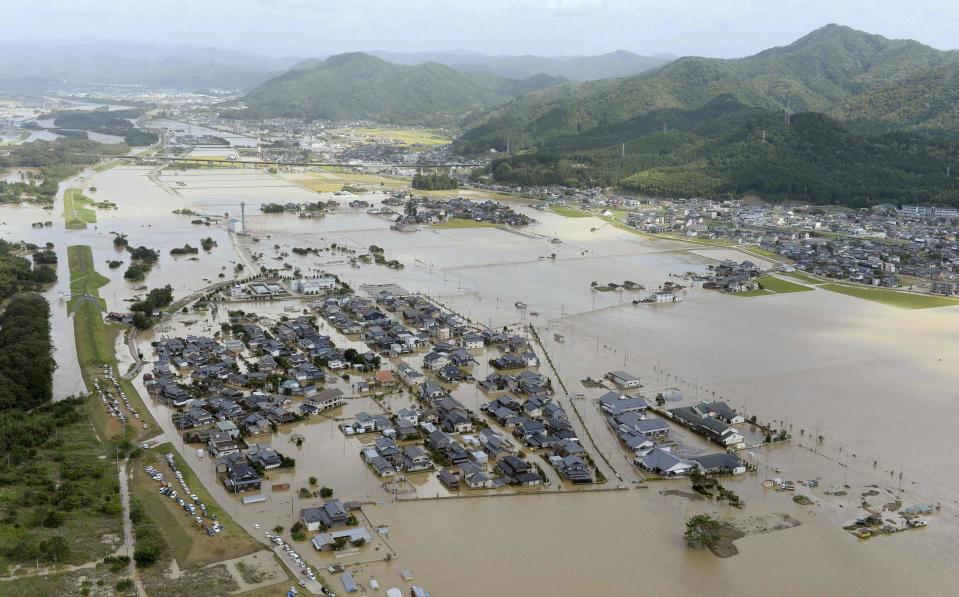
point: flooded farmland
(876, 382)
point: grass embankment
(96, 343)
(893, 298)
(75, 210)
(187, 542)
(464, 223)
(802, 277)
(569, 212)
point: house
(518, 471)
(330, 515)
(475, 476)
(650, 428)
(573, 469)
(435, 361)
(326, 399)
(449, 478)
(240, 477)
(623, 379)
(409, 415)
(264, 456)
(356, 536)
(229, 428)
(415, 459)
(405, 430)
(379, 464)
(615, 403)
(665, 463)
(529, 358)
(222, 444)
(721, 411)
(408, 375)
(279, 415)
(720, 463)
(472, 341)
(388, 449)
(721, 433)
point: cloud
(317, 27)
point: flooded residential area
(822, 368)
(407, 322)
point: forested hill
(822, 72)
(362, 87)
(727, 149)
(859, 107)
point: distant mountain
(358, 86)
(822, 72)
(575, 68)
(184, 67)
(707, 127)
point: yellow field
(410, 137)
(330, 182)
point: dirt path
(128, 543)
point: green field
(893, 298)
(780, 286)
(569, 212)
(75, 210)
(464, 223)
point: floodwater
(234, 139)
(875, 381)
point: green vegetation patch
(60, 494)
(779, 286)
(75, 210)
(893, 298)
(464, 223)
(570, 212)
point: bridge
(267, 163)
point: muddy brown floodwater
(877, 382)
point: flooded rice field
(876, 382)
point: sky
(719, 28)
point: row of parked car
(109, 400)
(190, 502)
(306, 570)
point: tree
(702, 530)
(326, 492)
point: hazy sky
(314, 27)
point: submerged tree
(702, 530)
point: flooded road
(875, 381)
